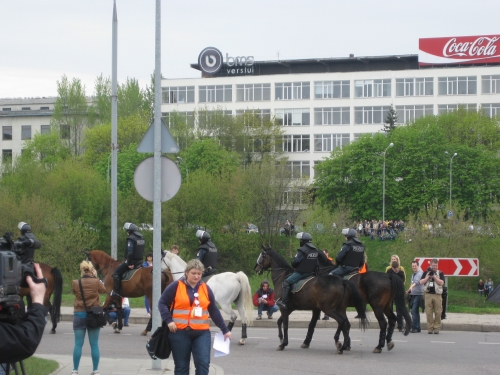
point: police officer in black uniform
(207, 254)
(352, 254)
(305, 263)
(133, 256)
(29, 243)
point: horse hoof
(377, 350)
(304, 346)
(144, 333)
(348, 348)
(117, 331)
(340, 352)
(338, 345)
(281, 341)
(390, 345)
(280, 348)
(53, 331)
(241, 342)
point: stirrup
(115, 294)
(283, 304)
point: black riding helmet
(304, 238)
(349, 232)
(130, 227)
(24, 227)
(202, 236)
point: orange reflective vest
(363, 269)
(183, 310)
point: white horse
(227, 287)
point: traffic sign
(452, 266)
(168, 144)
(170, 179)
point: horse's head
(263, 261)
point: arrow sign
(452, 266)
(168, 145)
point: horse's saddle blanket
(300, 284)
(129, 274)
(350, 275)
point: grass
(40, 366)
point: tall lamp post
(383, 185)
(451, 165)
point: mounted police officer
(207, 253)
(133, 256)
(352, 254)
(305, 263)
(28, 242)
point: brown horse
(54, 287)
(323, 293)
(141, 283)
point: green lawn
(39, 366)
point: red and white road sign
(452, 266)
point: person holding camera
(263, 299)
(19, 341)
(433, 281)
(92, 287)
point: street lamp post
(383, 185)
(451, 166)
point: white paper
(221, 347)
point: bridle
(263, 256)
(99, 269)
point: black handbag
(95, 315)
(158, 346)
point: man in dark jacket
(19, 341)
(352, 254)
(305, 264)
(134, 253)
(207, 254)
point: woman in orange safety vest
(186, 305)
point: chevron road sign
(452, 266)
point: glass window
(329, 142)
(296, 143)
(414, 86)
(45, 129)
(491, 109)
(409, 113)
(370, 115)
(170, 117)
(372, 88)
(6, 133)
(215, 94)
(300, 169)
(263, 114)
(294, 117)
(332, 89)
(25, 132)
(332, 116)
(292, 90)
(491, 84)
(6, 156)
(180, 95)
(25, 109)
(44, 108)
(457, 85)
(444, 108)
(253, 92)
(6, 109)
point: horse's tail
(55, 314)
(357, 301)
(399, 297)
(245, 298)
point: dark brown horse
(324, 293)
(54, 287)
(141, 283)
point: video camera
(430, 272)
(13, 272)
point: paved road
(457, 353)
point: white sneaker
(74, 372)
(94, 373)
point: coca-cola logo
(481, 47)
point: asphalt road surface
(457, 353)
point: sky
(44, 39)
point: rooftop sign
(481, 49)
(211, 61)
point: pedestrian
(263, 299)
(433, 281)
(174, 249)
(185, 306)
(480, 287)
(397, 269)
(148, 263)
(416, 293)
(91, 287)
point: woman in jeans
(186, 305)
(92, 287)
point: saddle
(129, 274)
(300, 284)
(350, 275)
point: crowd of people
(380, 229)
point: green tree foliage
(71, 113)
(391, 120)
(209, 156)
(417, 169)
(131, 99)
(48, 149)
(100, 111)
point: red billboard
(482, 49)
(452, 266)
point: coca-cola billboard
(482, 49)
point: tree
(131, 99)
(70, 113)
(391, 120)
(100, 111)
(46, 148)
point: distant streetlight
(451, 165)
(383, 185)
(179, 160)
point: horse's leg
(342, 323)
(392, 324)
(382, 322)
(119, 319)
(150, 321)
(310, 330)
(285, 317)
(280, 325)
